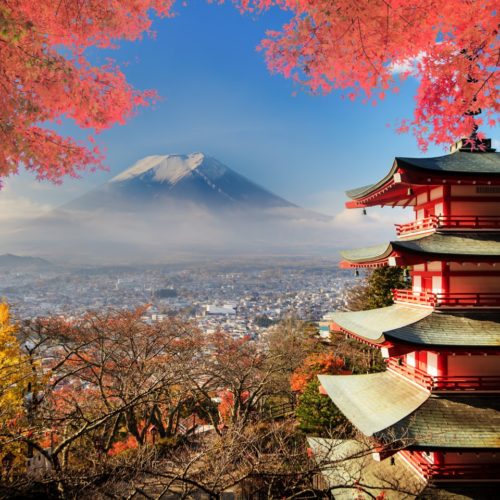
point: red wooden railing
(486, 222)
(412, 297)
(416, 226)
(444, 382)
(466, 383)
(451, 471)
(410, 372)
(447, 299)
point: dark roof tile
(421, 326)
(456, 163)
(478, 244)
(461, 421)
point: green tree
(376, 290)
(316, 412)
(264, 321)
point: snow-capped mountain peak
(176, 180)
(167, 168)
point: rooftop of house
(347, 464)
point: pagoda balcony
(466, 383)
(412, 373)
(444, 383)
(451, 471)
(444, 300)
(451, 222)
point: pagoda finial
(473, 144)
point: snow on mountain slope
(173, 180)
(167, 168)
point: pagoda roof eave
(370, 189)
(366, 401)
(368, 254)
(473, 246)
(419, 326)
(374, 324)
(389, 407)
(482, 166)
(345, 464)
(458, 163)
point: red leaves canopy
(45, 76)
(450, 46)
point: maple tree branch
(364, 49)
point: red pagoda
(440, 392)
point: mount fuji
(173, 180)
(171, 206)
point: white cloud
(406, 65)
(357, 230)
(14, 208)
(29, 227)
(329, 202)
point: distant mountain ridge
(19, 261)
(175, 179)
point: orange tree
(316, 412)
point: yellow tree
(15, 375)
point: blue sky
(219, 98)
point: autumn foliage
(12, 365)
(46, 76)
(106, 383)
(106, 405)
(366, 47)
(16, 376)
(315, 364)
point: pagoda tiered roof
(459, 421)
(460, 167)
(471, 245)
(374, 402)
(420, 326)
(347, 464)
(438, 398)
(386, 405)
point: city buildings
(249, 290)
